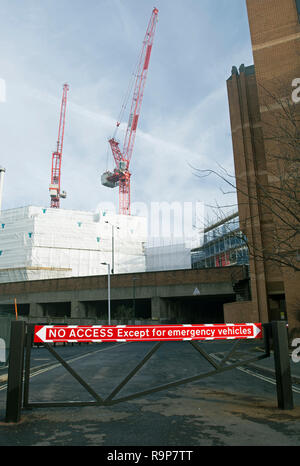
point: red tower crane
(121, 174)
(54, 187)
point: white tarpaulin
(38, 243)
(168, 257)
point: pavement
(267, 366)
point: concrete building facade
(179, 296)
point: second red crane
(54, 188)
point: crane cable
(127, 96)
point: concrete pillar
(91, 310)
(159, 309)
(36, 310)
(78, 310)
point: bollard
(282, 365)
(267, 335)
(15, 372)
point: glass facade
(223, 245)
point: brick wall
(255, 102)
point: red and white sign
(121, 333)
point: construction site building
(41, 243)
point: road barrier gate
(275, 337)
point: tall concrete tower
(260, 101)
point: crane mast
(54, 187)
(121, 174)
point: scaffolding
(223, 245)
(38, 243)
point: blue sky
(93, 45)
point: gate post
(282, 365)
(15, 372)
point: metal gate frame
(275, 334)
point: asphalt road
(237, 407)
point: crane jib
(135, 122)
(147, 58)
(121, 176)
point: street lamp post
(108, 288)
(112, 245)
(133, 294)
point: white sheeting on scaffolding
(38, 243)
(168, 257)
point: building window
(298, 8)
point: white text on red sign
(94, 333)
